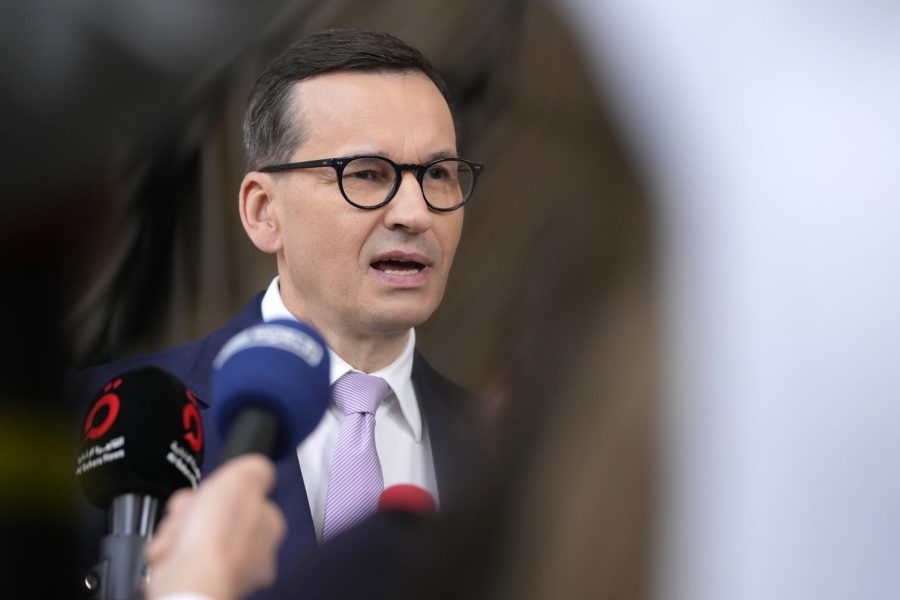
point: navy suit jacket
(446, 409)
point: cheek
(326, 245)
(307, 249)
(449, 233)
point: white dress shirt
(401, 438)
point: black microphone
(270, 388)
(142, 439)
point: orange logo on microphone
(193, 426)
(109, 401)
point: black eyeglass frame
(338, 164)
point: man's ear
(256, 199)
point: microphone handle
(122, 568)
(254, 429)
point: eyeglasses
(370, 182)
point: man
(354, 184)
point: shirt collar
(398, 374)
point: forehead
(396, 113)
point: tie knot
(358, 392)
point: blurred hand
(221, 539)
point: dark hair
(270, 134)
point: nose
(407, 209)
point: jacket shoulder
(435, 382)
(190, 362)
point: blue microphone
(270, 388)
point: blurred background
(675, 291)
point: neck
(370, 353)
(362, 346)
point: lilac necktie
(355, 482)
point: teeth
(403, 272)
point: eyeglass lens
(445, 184)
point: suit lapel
(290, 495)
(443, 424)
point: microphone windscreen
(281, 367)
(142, 434)
(408, 499)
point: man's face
(354, 272)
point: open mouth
(396, 266)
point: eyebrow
(431, 157)
(442, 154)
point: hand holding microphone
(220, 540)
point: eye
(438, 172)
(371, 170)
(367, 174)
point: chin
(400, 317)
